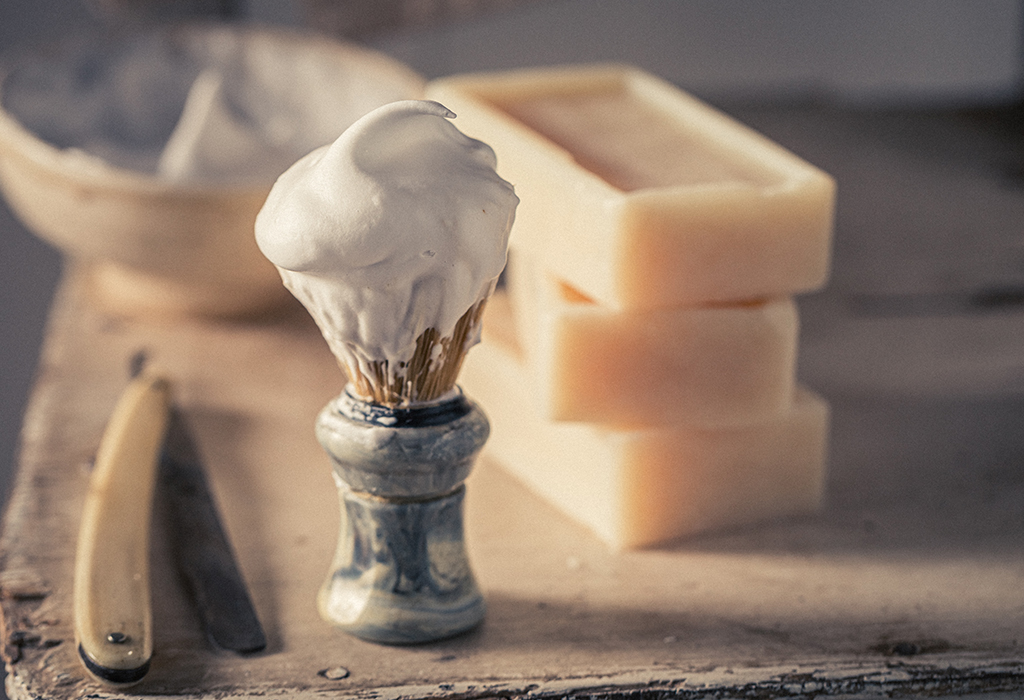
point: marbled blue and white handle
(400, 573)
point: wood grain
(910, 580)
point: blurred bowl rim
(94, 172)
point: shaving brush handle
(400, 573)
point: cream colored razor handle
(111, 594)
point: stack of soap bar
(644, 381)
(641, 485)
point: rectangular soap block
(644, 485)
(705, 366)
(640, 195)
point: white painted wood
(910, 580)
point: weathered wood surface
(911, 580)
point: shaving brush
(393, 238)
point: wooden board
(911, 579)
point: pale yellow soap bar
(704, 366)
(641, 196)
(641, 486)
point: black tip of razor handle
(116, 676)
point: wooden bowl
(79, 158)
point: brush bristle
(428, 375)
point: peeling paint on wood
(912, 604)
